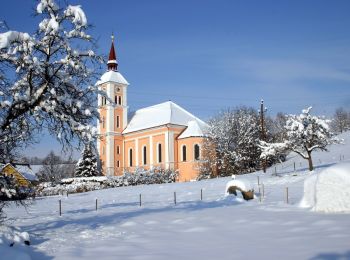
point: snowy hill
(217, 227)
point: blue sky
(208, 55)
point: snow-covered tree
(46, 78)
(305, 133)
(233, 135)
(11, 191)
(341, 120)
(87, 165)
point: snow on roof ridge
(167, 113)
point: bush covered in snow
(328, 191)
(84, 184)
(13, 243)
(242, 185)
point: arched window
(196, 152)
(144, 151)
(116, 99)
(118, 123)
(118, 149)
(159, 153)
(130, 157)
(118, 164)
(119, 100)
(184, 153)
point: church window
(144, 155)
(118, 149)
(103, 101)
(119, 100)
(130, 157)
(196, 152)
(184, 155)
(159, 153)
(118, 123)
(118, 164)
(116, 99)
(103, 122)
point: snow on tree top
(112, 76)
(193, 130)
(161, 114)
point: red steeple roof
(112, 63)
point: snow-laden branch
(53, 75)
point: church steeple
(112, 63)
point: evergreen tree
(87, 165)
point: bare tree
(341, 120)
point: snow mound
(14, 243)
(243, 184)
(328, 191)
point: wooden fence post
(294, 166)
(140, 200)
(96, 204)
(287, 195)
(263, 190)
(201, 194)
(174, 197)
(60, 207)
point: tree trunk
(311, 167)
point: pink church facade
(164, 135)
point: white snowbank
(328, 191)
(243, 184)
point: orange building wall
(127, 145)
(144, 142)
(189, 169)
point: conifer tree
(87, 165)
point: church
(164, 135)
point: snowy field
(214, 228)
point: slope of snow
(217, 227)
(161, 114)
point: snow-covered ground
(216, 228)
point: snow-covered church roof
(112, 76)
(193, 130)
(163, 114)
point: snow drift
(328, 191)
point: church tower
(113, 112)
